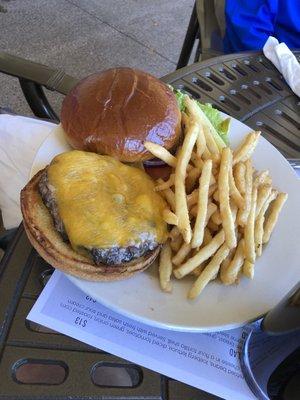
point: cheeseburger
(88, 213)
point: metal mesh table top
(247, 87)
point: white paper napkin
(285, 61)
(20, 138)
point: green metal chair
(206, 28)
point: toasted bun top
(114, 112)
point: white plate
(219, 307)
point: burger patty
(112, 255)
(48, 195)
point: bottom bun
(48, 243)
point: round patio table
(245, 86)
(248, 87)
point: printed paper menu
(208, 361)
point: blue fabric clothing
(249, 23)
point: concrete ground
(84, 36)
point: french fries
(207, 236)
(212, 189)
(239, 173)
(174, 233)
(216, 218)
(202, 204)
(249, 230)
(176, 243)
(234, 192)
(201, 142)
(161, 153)
(191, 179)
(193, 111)
(222, 211)
(212, 226)
(209, 272)
(192, 198)
(165, 184)
(216, 196)
(248, 269)
(182, 253)
(223, 186)
(204, 254)
(230, 273)
(262, 195)
(246, 148)
(213, 144)
(261, 178)
(259, 223)
(169, 217)
(165, 267)
(273, 216)
(169, 195)
(211, 209)
(180, 175)
(243, 213)
(196, 160)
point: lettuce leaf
(214, 115)
(220, 125)
(180, 99)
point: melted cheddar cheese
(105, 203)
